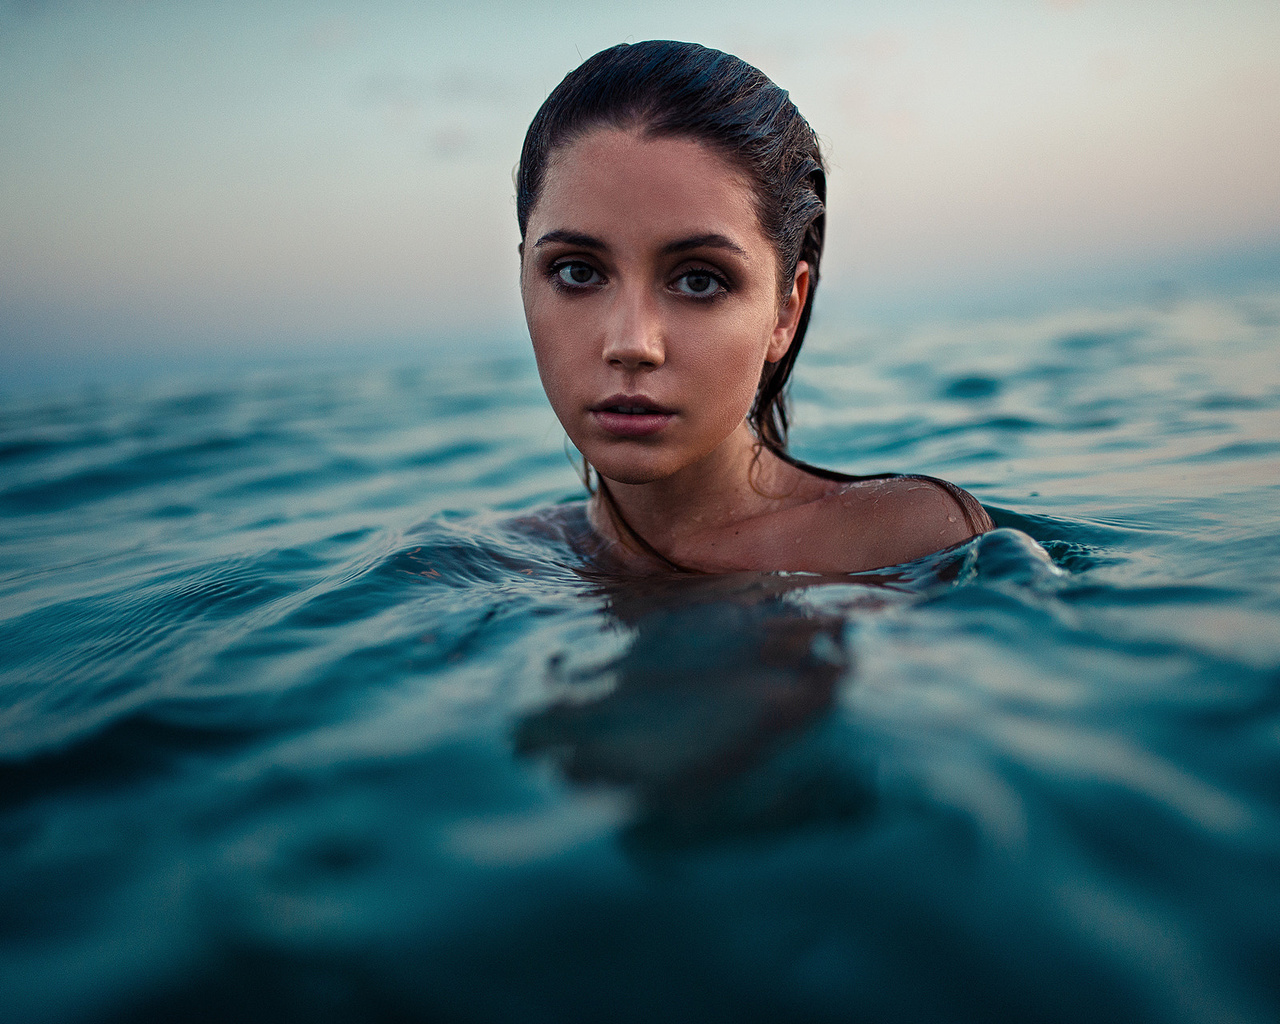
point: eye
(578, 275)
(699, 284)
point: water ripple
(313, 703)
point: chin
(629, 471)
(629, 477)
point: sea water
(314, 704)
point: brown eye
(577, 275)
(700, 284)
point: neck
(679, 514)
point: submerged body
(653, 302)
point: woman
(671, 208)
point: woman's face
(652, 301)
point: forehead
(613, 179)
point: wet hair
(667, 89)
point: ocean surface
(313, 706)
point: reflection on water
(314, 704)
(707, 719)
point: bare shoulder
(873, 523)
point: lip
(642, 416)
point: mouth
(628, 410)
(631, 415)
(631, 405)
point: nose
(634, 337)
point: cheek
(558, 363)
(544, 329)
(554, 351)
(731, 367)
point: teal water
(313, 705)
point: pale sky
(207, 175)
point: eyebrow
(710, 241)
(707, 241)
(571, 238)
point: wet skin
(653, 301)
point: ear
(789, 315)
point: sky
(217, 178)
